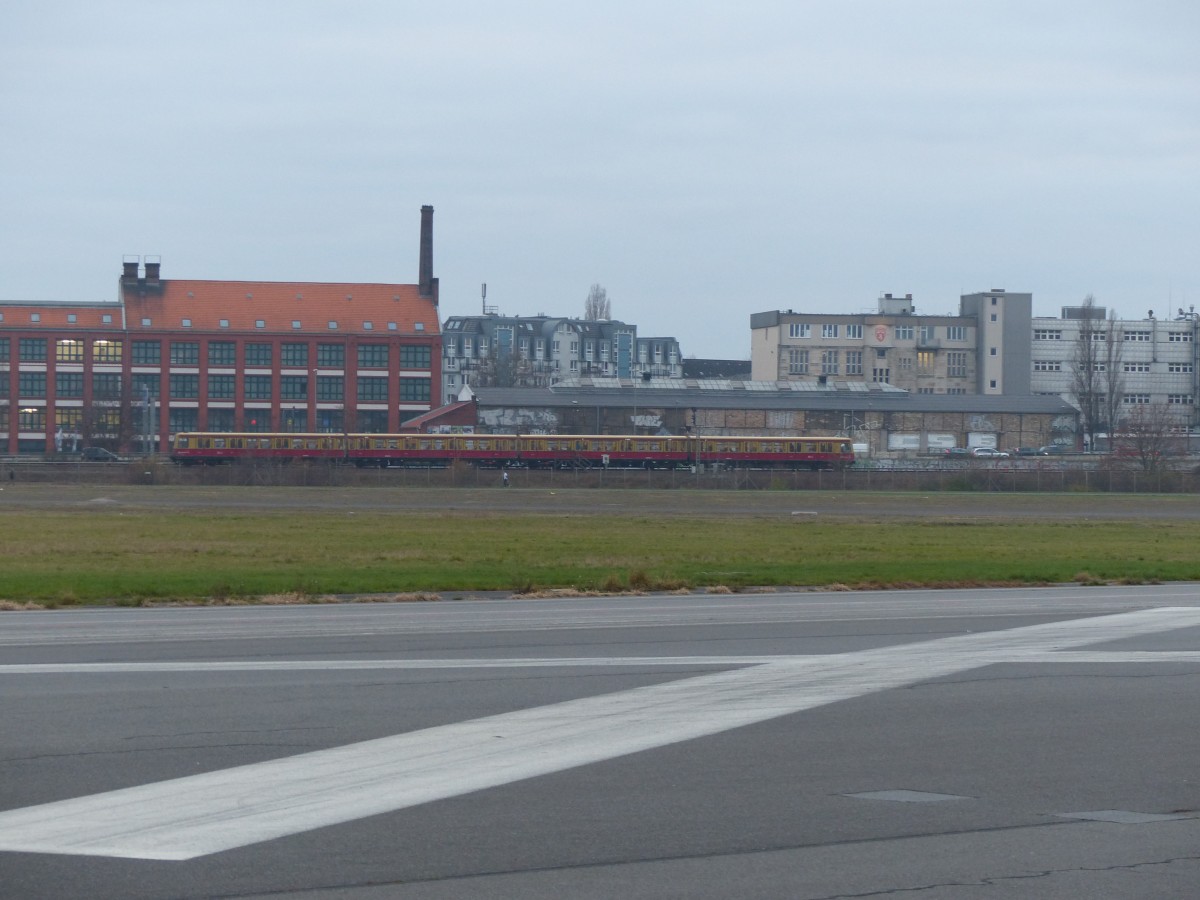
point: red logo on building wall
(880, 333)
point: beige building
(982, 350)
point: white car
(988, 453)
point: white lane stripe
(188, 817)
(621, 662)
(335, 665)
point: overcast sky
(701, 160)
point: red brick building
(173, 355)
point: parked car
(956, 452)
(99, 454)
(988, 453)
(1053, 450)
(1027, 451)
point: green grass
(136, 555)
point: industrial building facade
(173, 355)
(982, 350)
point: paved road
(836, 504)
(1016, 743)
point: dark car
(99, 454)
(1053, 450)
(1027, 451)
(956, 453)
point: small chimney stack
(152, 268)
(129, 270)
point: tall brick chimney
(427, 284)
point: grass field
(126, 553)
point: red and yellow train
(533, 451)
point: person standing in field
(504, 478)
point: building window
(106, 386)
(956, 364)
(105, 351)
(1179, 368)
(258, 355)
(183, 419)
(222, 353)
(1047, 334)
(414, 390)
(35, 317)
(1136, 399)
(31, 349)
(224, 323)
(257, 387)
(220, 387)
(1136, 367)
(373, 356)
(419, 357)
(854, 331)
(991, 351)
(1100, 337)
(293, 387)
(829, 331)
(1179, 399)
(904, 332)
(220, 419)
(331, 388)
(260, 323)
(881, 376)
(332, 325)
(829, 361)
(1140, 336)
(1045, 365)
(184, 387)
(854, 359)
(373, 390)
(928, 332)
(797, 362)
(331, 356)
(1179, 337)
(68, 419)
(5, 349)
(906, 364)
(925, 360)
(147, 353)
(67, 384)
(31, 384)
(293, 354)
(68, 351)
(256, 420)
(799, 330)
(185, 353)
(145, 385)
(296, 326)
(32, 419)
(956, 332)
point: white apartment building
(537, 351)
(1157, 358)
(982, 350)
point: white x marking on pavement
(187, 817)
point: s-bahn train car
(533, 451)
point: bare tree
(1147, 435)
(1096, 380)
(597, 306)
(499, 368)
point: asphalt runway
(515, 500)
(1033, 743)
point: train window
(470, 445)
(219, 443)
(826, 448)
(439, 445)
(297, 444)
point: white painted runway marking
(188, 817)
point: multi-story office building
(982, 350)
(537, 351)
(173, 355)
(1156, 360)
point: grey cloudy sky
(701, 160)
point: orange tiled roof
(57, 315)
(280, 304)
